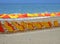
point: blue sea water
(28, 8)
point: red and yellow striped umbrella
(25, 15)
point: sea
(28, 7)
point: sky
(29, 1)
